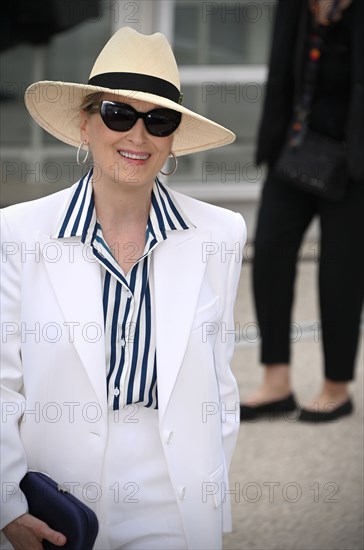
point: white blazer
(53, 358)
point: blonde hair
(89, 101)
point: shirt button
(116, 391)
(122, 343)
(182, 493)
(128, 293)
(170, 437)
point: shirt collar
(165, 213)
(80, 219)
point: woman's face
(133, 157)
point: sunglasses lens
(121, 117)
(117, 117)
(162, 122)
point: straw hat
(131, 65)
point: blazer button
(182, 493)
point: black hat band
(137, 82)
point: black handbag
(63, 512)
(308, 160)
(318, 166)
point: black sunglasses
(121, 117)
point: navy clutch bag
(63, 512)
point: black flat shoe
(271, 408)
(307, 415)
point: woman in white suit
(117, 322)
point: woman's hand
(27, 532)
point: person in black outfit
(337, 111)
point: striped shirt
(128, 299)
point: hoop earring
(174, 169)
(79, 151)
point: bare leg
(276, 385)
(332, 395)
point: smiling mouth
(134, 156)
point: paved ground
(298, 486)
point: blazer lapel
(76, 281)
(178, 274)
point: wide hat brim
(55, 106)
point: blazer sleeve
(223, 354)
(13, 459)
(225, 344)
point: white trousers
(138, 507)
